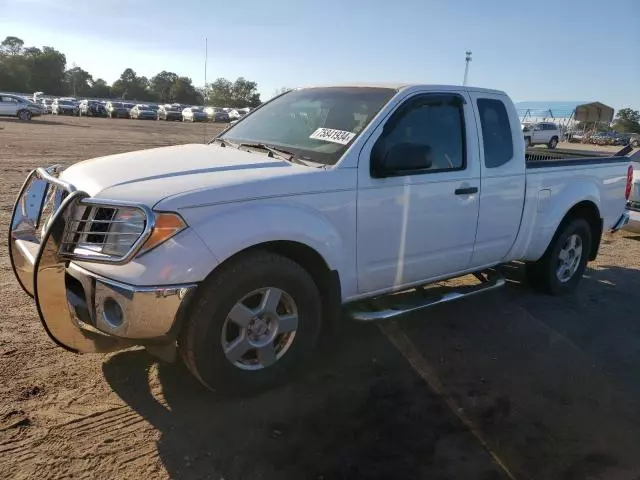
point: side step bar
(367, 311)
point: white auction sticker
(330, 135)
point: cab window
(496, 132)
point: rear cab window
(497, 137)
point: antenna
(467, 59)
(204, 90)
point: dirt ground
(512, 384)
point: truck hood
(170, 178)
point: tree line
(32, 69)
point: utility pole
(204, 90)
(467, 59)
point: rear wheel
(251, 324)
(561, 267)
(24, 115)
(527, 142)
(553, 143)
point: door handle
(466, 190)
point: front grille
(99, 227)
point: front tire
(560, 269)
(24, 115)
(251, 324)
(527, 142)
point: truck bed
(540, 158)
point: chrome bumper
(621, 222)
(79, 310)
(633, 225)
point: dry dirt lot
(509, 385)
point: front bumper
(82, 311)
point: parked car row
(604, 138)
(140, 111)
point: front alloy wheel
(260, 329)
(251, 324)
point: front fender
(229, 229)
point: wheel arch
(326, 279)
(589, 211)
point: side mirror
(400, 159)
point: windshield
(64, 102)
(314, 123)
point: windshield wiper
(223, 142)
(274, 152)
(284, 154)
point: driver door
(419, 222)
(8, 105)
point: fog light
(112, 312)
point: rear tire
(204, 342)
(527, 142)
(559, 271)
(553, 143)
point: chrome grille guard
(34, 250)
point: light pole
(467, 59)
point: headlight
(115, 234)
(125, 228)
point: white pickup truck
(634, 198)
(236, 252)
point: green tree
(100, 89)
(47, 70)
(161, 85)
(627, 121)
(132, 87)
(11, 46)
(218, 93)
(14, 71)
(224, 93)
(15, 74)
(244, 93)
(78, 82)
(183, 91)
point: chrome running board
(370, 310)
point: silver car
(16, 106)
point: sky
(566, 50)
